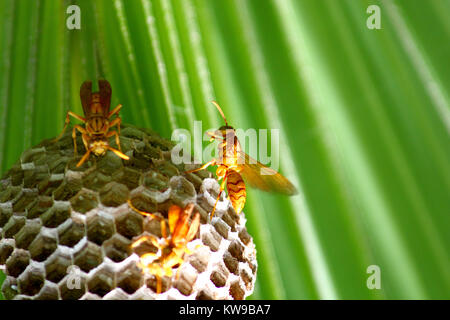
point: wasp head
(221, 133)
(99, 147)
(223, 129)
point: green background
(363, 114)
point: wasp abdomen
(236, 190)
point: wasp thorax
(95, 97)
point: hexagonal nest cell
(66, 232)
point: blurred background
(363, 114)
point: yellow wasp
(96, 132)
(235, 166)
(171, 248)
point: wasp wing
(105, 95)
(174, 215)
(181, 227)
(262, 177)
(195, 224)
(86, 96)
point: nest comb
(56, 218)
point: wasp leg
(147, 261)
(148, 255)
(114, 111)
(69, 113)
(118, 153)
(154, 242)
(117, 121)
(139, 241)
(222, 187)
(114, 133)
(157, 271)
(206, 165)
(153, 216)
(74, 137)
(85, 137)
(158, 284)
(86, 155)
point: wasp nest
(66, 232)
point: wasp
(97, 121)
(171, 248)
(234, 166)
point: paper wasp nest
(66, 232)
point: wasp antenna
(220, 110)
